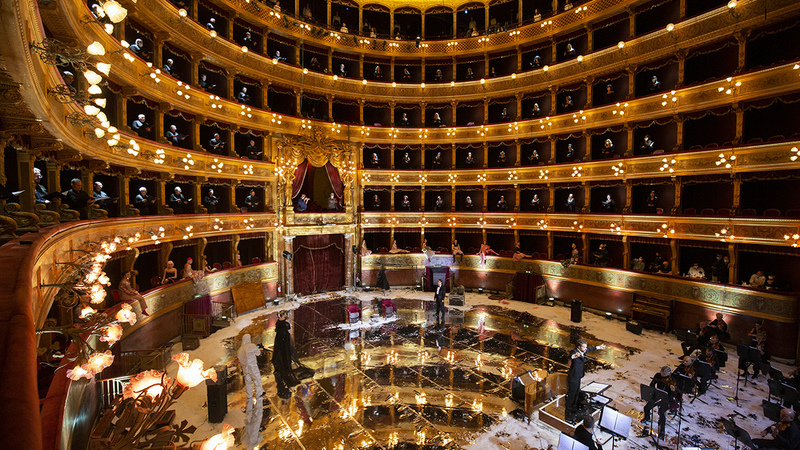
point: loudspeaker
(218, 397)
(287, 255)
(634, 327)
(518, 385)
(577, 311)
(456, 300)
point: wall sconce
(423, 222)
(732, 87)
(57, 53)
(451, 222)
(620, 109)
(393, 221)
(423, 133)
(512, 175)
(543, 125)
(795, 152)
(159, 157)
(725, 234)
(732, 8)
(393, 132)
(513, 127)
(727, 161)
(482, 178)
(577, 226)
(247, 169)
(67, 94)
(481, 130)
(451, 132)
(665, 230)
(617, 229)
(482, 222)
(621, 47)
(365, 177)
(618, 169)
(218, 225)
(795, 238)
(364, 131)
(248, 223)
(544, 174)
(187, 161)
(423, 178)
(511, 223)
(276, 118)
(577, 171)
(542, 224)
(189, 233)
(246, 111)
(394, 178)
(669, 165)
(546, 23)
(669, 98)
(183, 90)
(451, 178)
(578, 117)
(671, 31)
(217, 165)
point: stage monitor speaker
(218, 397)
(456, 300)
(634, 327)
(460, 290)
(518, 385)
(287, 255)
(577, 311)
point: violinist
(687, 369)
(719, 351)
(703, 336)
(662, 381)
(785, 433)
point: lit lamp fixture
(217, 165)
(795, 152)
(546, 23)
(394, 178)
(189, 232)
(423, 178)
(543, 125)
(365, 178)
(337, 127)
(160, 155)
(482, 178)
(276, 118)
(218, 225)
(577, 226)
(725, 234)
(482, 222)
(618, 169)
(451, 222)
(665, 230)
(795, 238)
(115, 12)
(514, 33)
(394, 222)
(481, 130)
(617, 229)
(423, 133)
(393, 132)
(671, 97)
(577, 171)
(220, 441)
(364, 130)
(451, 178)
(511, 223)
(544, 174)
(620, 109)
(727, 161)
(423, 222)
(731, 88)
(451, 132)
(513, 127)
(96, 49)
(512, 175)
(669, 165)
(542, 224)
(187, 161)
(155, 236)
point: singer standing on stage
(574, 375)
(439, 298)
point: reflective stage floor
(402, 382)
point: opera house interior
(179, 177)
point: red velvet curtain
(299, 177)
(336, 182)
(318, 263)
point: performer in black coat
(584, 433)
(284, 355)
(574, 375)
(438, 296)
(382, 282)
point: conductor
(574, 375)
(439, 298)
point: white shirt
(697, 272)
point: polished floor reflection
(399, 382)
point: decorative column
(589, 81)
(485, 155)
(422, 106)
(232, 196)
(25, 173)
(361, 111)
(454, 108)
(587, 197)
(391, 68)
(628, 197)
(587, 155)
(675, 261)
(330, 98)
(485, 110)
(550, 249)
(733, 266)
(589, 38)
(52, 177)
(551, 188)
(288, 268)
(453, 199)
(453, 149)
(629, 151)
(328, 15)
(361, 66)
(163, 256)
(197, 191)
(422, 153)
(626, 253)
(679, 121)
(516, 199)
(391, 154)
(298, 102)
(129, 265)
(392, 105)
(585, 250)
(200, 253)
(631, 71)
(348, 258)
(681, 10)
(737, 194)
(229, 90)
(552, 141)
(518, 98)
(391, 21)
(455, 19)
(485, 198)
(518, 147)
(676, 208)
(124, 189)
(737, 108)
(161, 194)
(391, 199)
(234, 254)
(159, 134)
(681, 54)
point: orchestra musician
(662, 381)
(785, 433)
(216, 144)
(584, 433)
(173, 136)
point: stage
(399, 382)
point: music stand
(772, 411)
(738, 434)
(566, 442)
(687, 336)
(615, 423)
(704, 372)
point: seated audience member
(278, 56)
(145, 203)
(211, 25)
(468, 205)
(205, 84)
(501, 204)
(648, 146)
(771, 284)
(536, 111)
(696, 271)
(376, 201)
(248, 41)
(493, 74)
(277, 6)
(140, 126)
(210, 201)
(314, 64)
(654, 84)
(404, 120)
(439, 204)
(570, 151)
(568, 103)
(394, 248)
(470, 160)
(456, 249)
(537, 62)
(77, 199)
(68, 77)
(101, 199)
(437, 160)
(243, 96)
(438, 76)
(333, 205)
(638, 264)
(537, 16)
(651, 204)
(757, 280)
(533, 159)
(601, 256)
(609, 93)
(437, 121)
(128, 294)
(302, 203)
(608, 204)
(342, 70)
(168, 69)
(504, 114)
(570, 205)
(252, 201)
(406, 74)
(138, 48)
(470, 74)
(178, 202)
(173, 136)
(376, 162)
(251, 151)
(719, 270)
(216, 145)
(377, 74)
(665, 268)
(608, 149)
(501, 159)
(373, 33)
(570, 51)
(656, 263)
(170, 273)
(406, 203)
(535, 202)
(344, 29)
